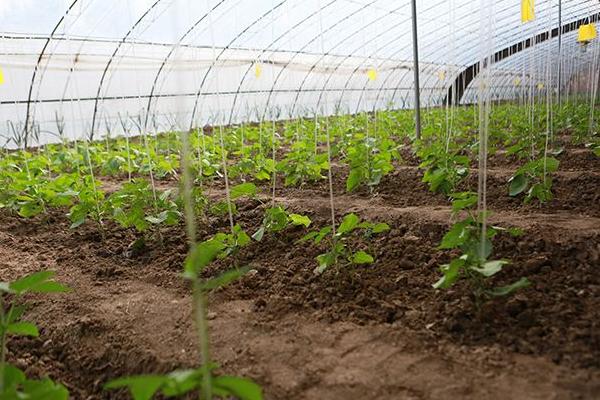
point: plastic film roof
(185, 63)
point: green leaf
(381, 227)
(518, 184)
(5, 287)
(348, 224)
(557, 152)
(13, 376)
(474, 248)
(156, 220)
(44, 389)
(322, 233)
(456, 236)
(464, 203)
(203, 254)
(241, 388)
(38, 282)
(221, 208)
(516, 232)
(225, 278)
(23, 329)
(436, 178)
(258, 235)
(491, 268)
(325, 260)
(353, 180)
(360, 257)
(551, 164)
(50, 287)
(305, 238)
(181, 382)
(77, 223)
(298, 220)
(142, 387)
(508, 289)
(451, 273)
(244, 189)
(276, 219)
(242, 237)
(29, 210)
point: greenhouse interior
(299, 199)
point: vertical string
(273, 116)
(220, 123)
(327, 133)
(486, 49)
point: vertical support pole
(559, 88)
(416, 69)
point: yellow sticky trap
(1, 77)
(527, 10)
(586, 33)
(517, 81)
(442, 75)
(372, 74)
(540, 86)
(257, 70)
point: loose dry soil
(373, 332)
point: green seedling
(534, 179)
(202, 380)
(136, 205)
(90, 204)
(340, 252)
(13, 382)
(302, 164)
(444, 169)
(474, 264)
(370, 159)
(277, 219)
(222, 208)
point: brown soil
(372, 332)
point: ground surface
(378, 332)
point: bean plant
(474, 263)
(534, 180)
(277, 219)
(14, 384)
(202, 380)
(370, 159)
(340, 250)
(444, 168)
(137, 205)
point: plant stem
(4, 321)
(200, 306)
(2, 344)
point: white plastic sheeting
(184, 63)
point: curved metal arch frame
(458, 50)
(37, 66)
(28, 119)
(197, 98)
(384, 88)
(509, 38)
(389, 76)
(362, 64)
(109, 63)
(518, 63)
(267, 49)
(327, 53)
(471, 72)
(171, 52)
(308, 44)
